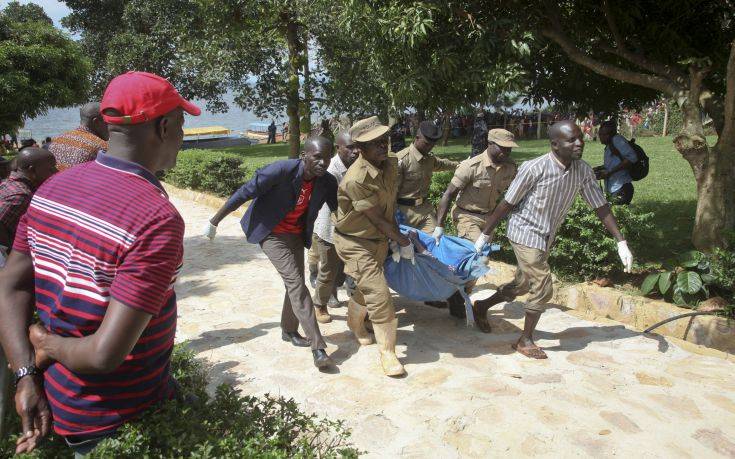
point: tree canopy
(40, 67)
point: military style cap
(502, 137)
(368, 129)
(431, 131)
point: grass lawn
(669, 191)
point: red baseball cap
(141, 97)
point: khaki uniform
(361, 245)
(481, 183)
(414, 179)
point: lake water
(60, 120)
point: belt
(411, 202)
(472, 211)
(349, 236)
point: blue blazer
(274, 190)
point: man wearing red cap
(100, 274)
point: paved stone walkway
(605, 390)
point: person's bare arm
(390, 229)
(608, 220)
(443, 164)
(444, 203)
(16, 309)
(501, 211)
(98, 353)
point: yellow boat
(207, 130)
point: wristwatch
(22, 372)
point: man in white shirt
(331, 269)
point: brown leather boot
(322, 315)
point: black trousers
(623, 196)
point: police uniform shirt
(363, 187)
(481, 182)
(415, 171)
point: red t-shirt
(292, 223)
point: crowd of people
(101, 274)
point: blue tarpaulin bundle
(440, 271)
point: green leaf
(678, 297)
(690, 259)
(689, 282)
(649, 283)
(664, 282)
(708, 278)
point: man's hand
(395, 251)
(37, 334)
(438, 233)
(625, 256)
(481, 241)
(407, 252)
(601, 174)
(210, 231)
(32, 407)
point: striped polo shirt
(542, 193)
(101, 230)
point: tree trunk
(445, 128)
(307, 87)
(666, 119)
(714, 172)
(715, 215)
(292, 96)
(538, 126)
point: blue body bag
(439, 272)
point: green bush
(439, 183)
(722, 264)
(584, 250)
(225, 425)
(686, 282)
(214, 172)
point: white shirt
(323, 226)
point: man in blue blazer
(287, 196)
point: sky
(54, 9)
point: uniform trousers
(363, 259)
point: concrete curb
(587, 300)
(640, 313)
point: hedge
(211, 171)
(227, 424)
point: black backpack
(639, 169)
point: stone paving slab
(605, 390)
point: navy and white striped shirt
(542, 193)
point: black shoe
(321, 359)
(456, 306)
(295, 339)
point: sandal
(530, 352)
